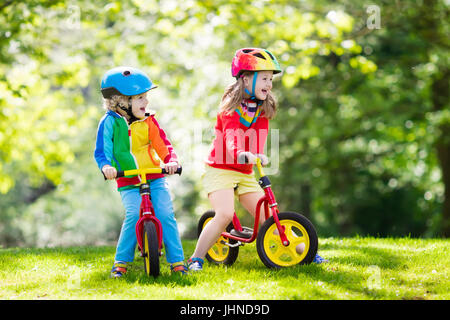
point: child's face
(138, 105)
(263, 84)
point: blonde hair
(111, 103)
(234, 94)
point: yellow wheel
(220, 252)
(302, 239)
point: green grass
(359, 268)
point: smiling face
(263, 84)
(138, 105)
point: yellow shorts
(217, 179)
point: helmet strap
(252, 94)
(255, 75)
(248, 92)
(130, 116)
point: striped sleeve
(103, 153)
(160, 142)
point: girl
(241, 132)
(129, 138)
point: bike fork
(281, 230)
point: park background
(363, 121)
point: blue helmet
(126, 81)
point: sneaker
(195, 264)
(118, 269)
(179, 267)
(318, 259)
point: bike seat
(246, 233)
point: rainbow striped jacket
(142, 144)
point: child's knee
(224, 217)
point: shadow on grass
(346, 271)
(365, 256)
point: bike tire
(150, 249)
(220, 253)
(298, 229)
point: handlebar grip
(179, 170)
(120, 174)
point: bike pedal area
(245, 233)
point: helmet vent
(126, 73)
(247, 50)
(259, 55)
(271, 56)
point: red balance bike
(149, 232)
(285, 239)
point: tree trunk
(305, 201)
(429, 27)
(440, 98)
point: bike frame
(270, 206)
(146, 211)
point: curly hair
(111, 103)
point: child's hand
(171, 167)
(251, 158)
(109, 172)
(264, 159)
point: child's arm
(232, 134)
(104, 147)
(162, 145)
(234, 140)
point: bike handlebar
(144, 171)
(243, 159)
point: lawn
(359, 268)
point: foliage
(363, 120)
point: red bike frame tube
(146, 206)
(236, 223)
(269, 204)
(274, 206)
(256, 225)
(146, 210)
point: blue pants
(162, 203)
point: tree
(353, 133)
(363, 117)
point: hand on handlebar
(171, 167)
(264, 159)
(248, 157)
(109, 172)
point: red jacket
(233, 137)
